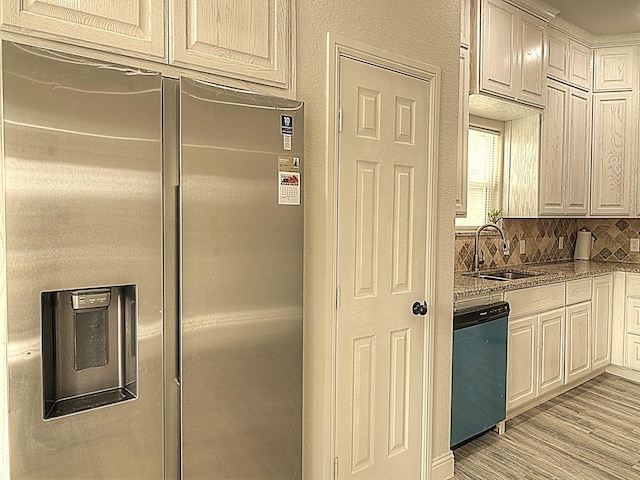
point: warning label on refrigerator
(289, 188)
(288, 164)
(286, 142)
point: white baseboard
(442, 467)
(623, 372)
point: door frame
(338, 47)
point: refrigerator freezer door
(241, 233)
(83, 197)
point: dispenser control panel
(93, 299)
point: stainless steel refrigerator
(154, 231)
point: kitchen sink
(503, 275)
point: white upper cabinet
(615, 69)
(498, 49)
(614, 137)
(578, 160)
(533, 80)
(463, 136)
(554, 151)
(509, 53)
(565, 152)
(123, 26)
(465, 23)
(557, 55)
(567, 60)
(520, 197)
(580, 70)
(249, 40)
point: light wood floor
(591, 432)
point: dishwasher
(479, 371)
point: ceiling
(600, 17)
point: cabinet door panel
(633, 352)
(633, 285)
(551, 329)
(613, 152)
(532, 79)
(601, 311)
(579, 65)
(578, 345)
(632, 315)
(133, 26)
(578, 153)
(249, 40)
(557, 55)
(521, 362)
(498, 48)
(615, 69)
(554, 124)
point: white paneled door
(383, 208)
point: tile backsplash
(540, 236)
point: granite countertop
(466, 286)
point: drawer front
(578, 291)
(633, 285)
(633, 352)
(535, 299)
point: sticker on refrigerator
(288, 188)
(288, 164)
(286, 142)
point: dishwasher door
(479, 370)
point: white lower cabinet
(521, 361)
(632, 347)
(536, 329)
(601, 320)
(632, 322)
(578, 353)
(551, 331)
(632, 315)
(558, 335)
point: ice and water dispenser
(89, 348)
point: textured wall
(541, 241)
(427, 31)
(4, 373)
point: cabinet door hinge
(335, 468)
(339, 120)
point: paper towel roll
(584, 242)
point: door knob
(419, 309)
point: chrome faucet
(477, 261)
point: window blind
(484, 175)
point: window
(484, 174)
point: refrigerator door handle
(172, 283)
